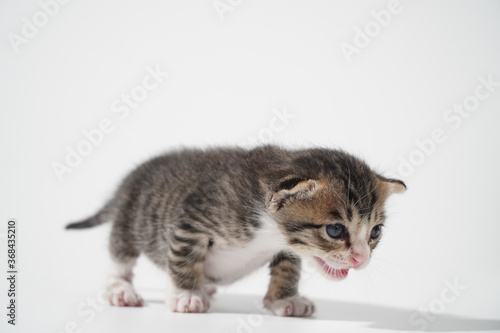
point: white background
(228, 74)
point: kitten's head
(329, 206)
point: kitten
(210, 217)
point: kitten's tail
(103, 216)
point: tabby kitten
(210, 217)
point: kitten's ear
(291, 189)
(392, 185)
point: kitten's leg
(282, 295)
(124, 256)
(120, 289)
(186, 255)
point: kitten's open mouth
(337, 274)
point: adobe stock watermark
(223, 7)
(30, 27)
(120, 108)
(249, 323)
(453, 117)
(86, 312)
(429, 314)
(277, 124)
(381, 19)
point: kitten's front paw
(190, 301)
(296, 306)
(122, 293)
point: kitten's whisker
(348, 181)
(383, 274)
(342, 199)
(373, 190)
(395, 264)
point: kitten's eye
(376, 231)
(335, 230)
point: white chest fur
(229, 263)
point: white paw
(122, 293)
(190, 301)
(296, 306)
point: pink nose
(358, 260)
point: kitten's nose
(360, 253)
(358, 259)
